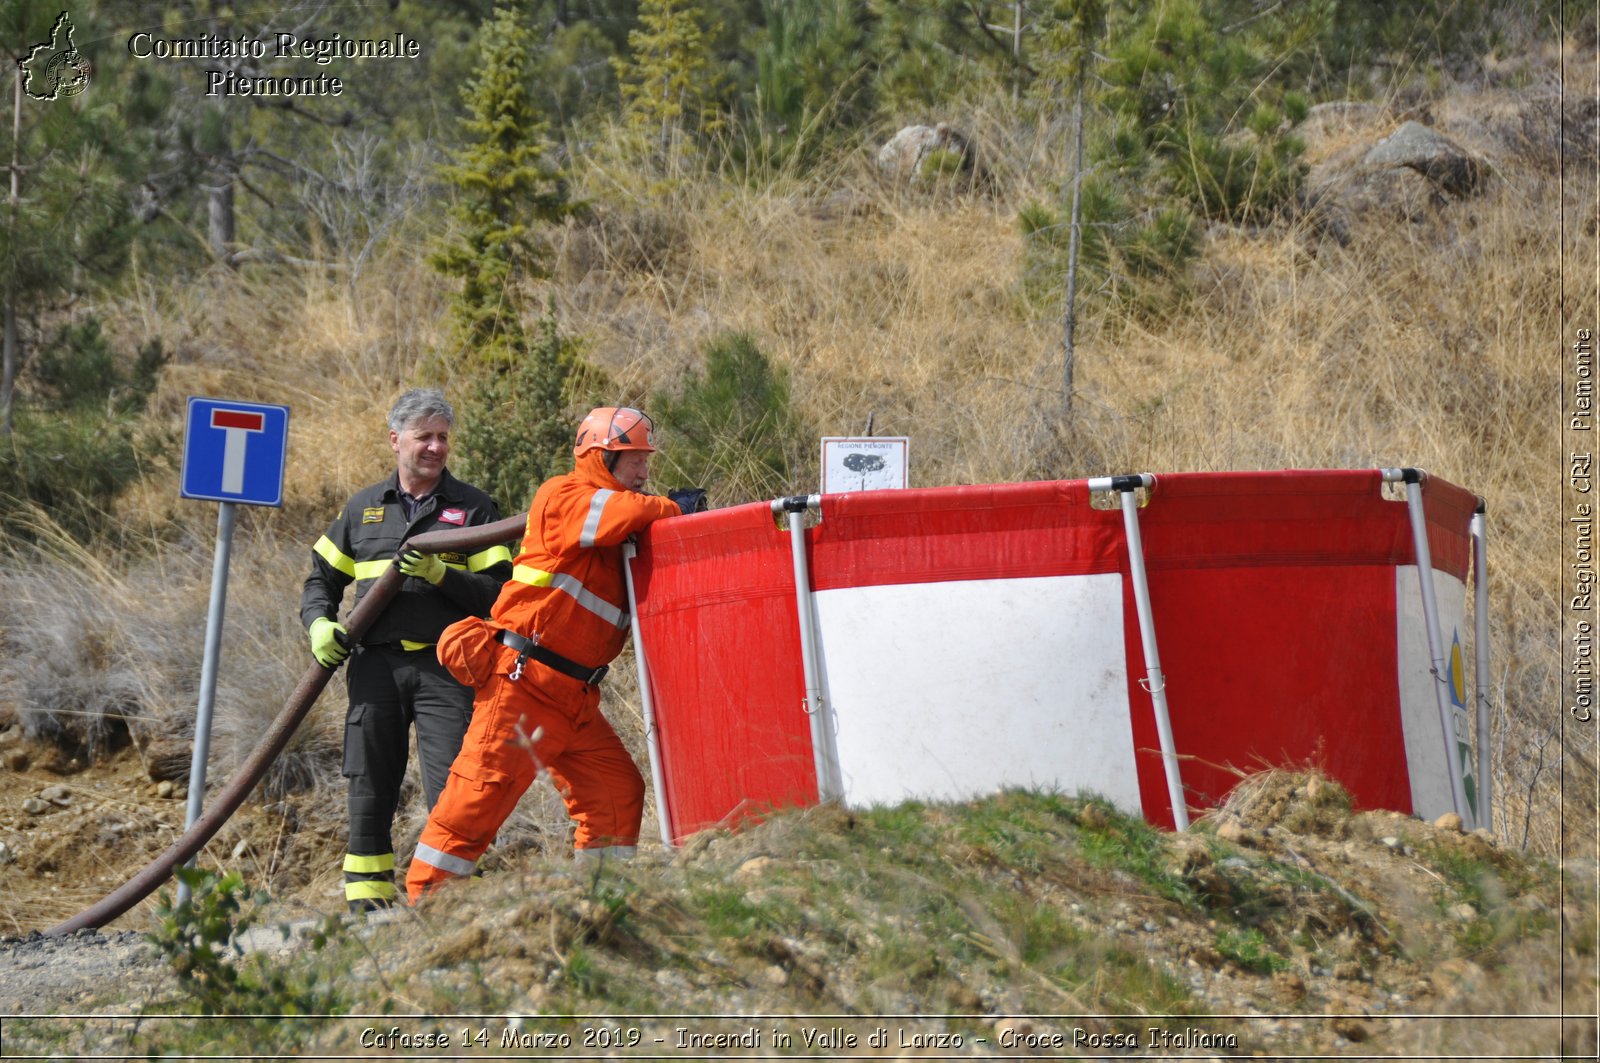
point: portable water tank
(943, 643)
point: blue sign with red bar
(234, 452)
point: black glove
(689, 499)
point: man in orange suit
(537, 664)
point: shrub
(71, 463)
(200, 939)
(77, 369)
(732, 429)
(72, 450)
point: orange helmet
(615, 428)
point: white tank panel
(912, 672)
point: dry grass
(99, 651)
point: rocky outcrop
(1363, 166)
(1370, 164)
(909, 156)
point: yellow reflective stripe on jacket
(334, 556)
(370, 569)
(373, 569)
(489, 558)
(571, 585)
(412, 647)
(368, 865)
(533, 577)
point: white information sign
(864, 463)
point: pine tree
(515, 426)
(733, 428)
(1079, 25)
(811, 86)
(931, 53)
(505, 188)
(669, 83)
(66, 225)
(1207, 106)
(1185, 124)
(514, 414)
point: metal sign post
(233, 453)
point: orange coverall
(568, 588)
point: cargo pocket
(355, 758)
(477, 801)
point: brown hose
(294, 711)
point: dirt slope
(1023, 924)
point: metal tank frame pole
(1154, 682)
(215, 613)
(829, 785)
(652, 739)
(1480, 653)
(1439, 663)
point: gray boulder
(905, 155)
(1429, 153)
(1357, 172)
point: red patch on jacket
(453, 516)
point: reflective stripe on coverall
(568, 589)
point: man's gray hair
(420, 404)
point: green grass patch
(1106, 976)
(1124, 843)
(1249, 949)
(1018, 830)
(727, 912)
(1493, 892)
(902, 829)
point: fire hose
(249, 773)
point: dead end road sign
(234, 452)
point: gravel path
(120, 971)
(65, 975)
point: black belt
(527, 648)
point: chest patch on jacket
(372, 515)
(452, 516)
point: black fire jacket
(361, 543)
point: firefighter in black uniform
(394, 679)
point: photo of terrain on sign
(1122, 576)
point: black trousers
(391, 689)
